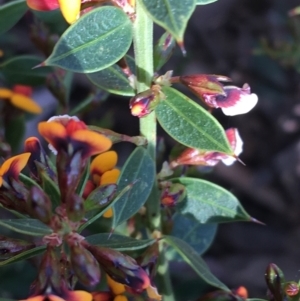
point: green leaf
(204, 2)
(11, 13)
(192, 258)
(27, 181)
(210, 203)
(163, 50)
(197, 235)
(172, 15)
(18, 70)
(96, 41)
(119, 242)
(32, 227)
(113, 79)
(139, 169)
(190, 124)
(24, 255)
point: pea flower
(231, 100)
(69, 134)
(70, 9)
(20, 97)
(12, 167)
(193, 156)
(103, 172)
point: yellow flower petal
(109, 213)
(53, 132)
(116, 287)
(103, 163)
(25, 103)
(70, 9)
(79, 296)
(97, 143)
(14, 165)
(110, 177)
(120, 298)
(5, 93)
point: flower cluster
(73, 143)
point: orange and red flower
(20, 97)
(12, 167)
(69, 134)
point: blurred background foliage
(250, 41)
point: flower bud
(291, 288)
(145, 102)
(39, 205)
(172, 195)
(10, 247)
(120, 267)
(84, 265)
(75, 208)
(274, 279)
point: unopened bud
(121, 268)
(274, 279)
(291, 288)
(75, 208)
(39, 205)
(145, 102)
(173, 195)
(84, 265)
(10, 247)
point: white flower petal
(245, 104)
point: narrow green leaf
(210, 203)
(197, 235)
(119, 242)
(24, 255)
(96, 41)
(32, 227)
(204, 2)
(28, 181)
(172, 15)
(139, 169)
(192, 258)
(18, 70)
(190, 124)
(50, 188)
(11, 13)
(113, 79)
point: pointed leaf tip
(254, 220)
(182, 48)
(43, 64)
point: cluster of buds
(65, 212)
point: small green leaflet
(210, 203)
(204, 2)
(96, 41)
(11, 13)
(172, 15)
(190, 124)
(138, 170)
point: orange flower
(12, 167)
(72, 135)
(103, 172)
(20, 97)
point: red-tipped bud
(241, 291)
(172, 195)
(22, 89)
(75, 208)
(84, 265)
(121, 268)
(291, 288)
(145, 102)
(39, 205)
(89, 187)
